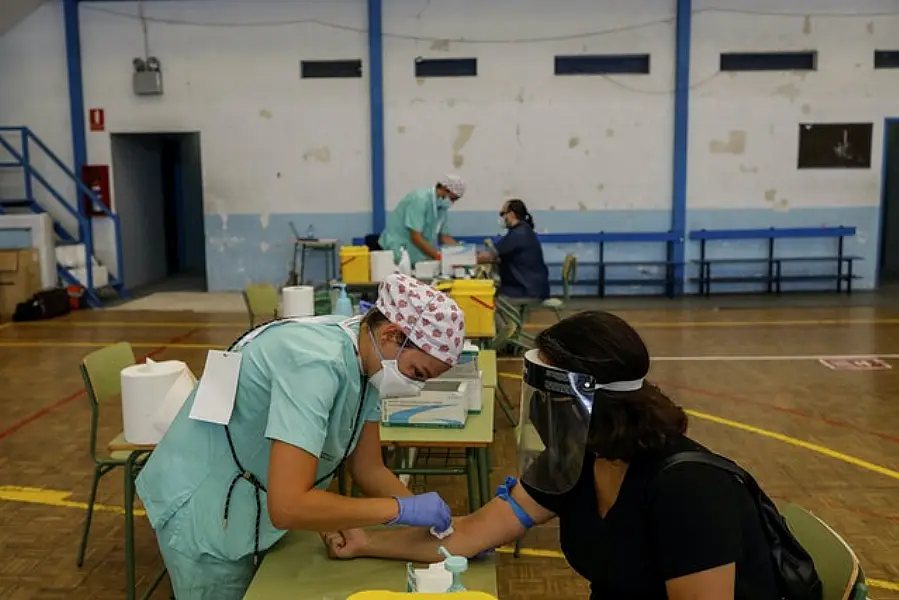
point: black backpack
(46, 304)
(794, 569)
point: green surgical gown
(418, 211)
(299, 383)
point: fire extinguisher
(98, 192)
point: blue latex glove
(423, 510)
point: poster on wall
(835, 145)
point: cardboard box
(20, 278)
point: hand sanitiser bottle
(344, 305)
(456, 565)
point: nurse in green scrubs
(418, 223)
(306, 400)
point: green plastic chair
(841, 575)
(557, 305)
(101, 372)
(262, 301)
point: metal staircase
(20, 151)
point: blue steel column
(376, 102)
(76, 89)
(76, 116)
(681, 134)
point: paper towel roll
(382, 264)
(298, 301)
(152, 395)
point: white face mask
(502, 222)
(390, 381)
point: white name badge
(214, 400)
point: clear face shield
(555, 423)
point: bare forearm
(380, 483)
(422, 244)
(492, 526)
(319, 510)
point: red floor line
(60, 403)
(783, 409)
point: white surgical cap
(454, 184)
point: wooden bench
(774, 276)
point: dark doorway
(889, 225)
(159, 199)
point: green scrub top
(299, 383)
(418, 211)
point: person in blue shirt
(306, 401)
(418, 223)
(522, 271)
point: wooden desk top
(120, 444)
(477, 433)
(487, 366)
(299, 567)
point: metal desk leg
(129, 525)
(302, 266)
(471, 467)
(483, 475)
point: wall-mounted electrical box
(147, 78)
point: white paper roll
(298, 301)
(152, 395)
(382, 264)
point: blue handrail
(23, 160)
(95, 201)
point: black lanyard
(246, 475)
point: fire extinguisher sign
(97, 119)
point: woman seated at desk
(522, 271)
(592, 444)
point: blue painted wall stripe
(681, 129)
(376, 103)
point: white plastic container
(427, 269)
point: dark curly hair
(624, 425)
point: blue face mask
(444, 203)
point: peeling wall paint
(278, 147)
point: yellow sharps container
(355, 264)
(476, 298)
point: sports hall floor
(746, 368)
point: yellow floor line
(761, 323)
(135, 324)
(160, 344)
(30, 495)
(537, 552)
(530, 326)
(852, 460)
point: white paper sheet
(214, 401)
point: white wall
(760, 112)
(34, 93)
(271, 142)
(562, 143)
(585, 152)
